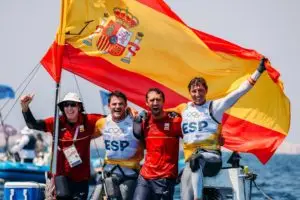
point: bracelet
(251, 81)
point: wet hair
(158, 91)
(197, 81)
(117, 93)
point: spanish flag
(52, 61)
(132, 45)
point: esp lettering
(190, 127)
(116, 145)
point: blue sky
(28, 27)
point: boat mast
(56, 131)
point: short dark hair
(158, 91)
(117, 93)
(198, 81)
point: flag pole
(57, 52)
(56, 131)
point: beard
(156, 111)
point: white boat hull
(231, 184)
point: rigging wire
(80, 94)
(252, 177)
(29, 81)
(250, 193)
(260, 190)
(6, 102)
(101, 163)
(78, 88)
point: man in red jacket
(76, 129)
(161, 133)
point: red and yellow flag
(52, 61)
(132, 45)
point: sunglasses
(72, 104)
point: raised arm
(28, 116)
(138, 122)
(137, 130)
(219, 106)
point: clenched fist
(25, 101)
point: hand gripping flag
(132, 45)
(104, 101)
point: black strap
(201, 150)
(124, 176)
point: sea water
(279, 178)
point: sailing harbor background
(270, 27)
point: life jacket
(199, 128)
(121, 146)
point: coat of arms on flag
(114, 36)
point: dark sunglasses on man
(70, 103)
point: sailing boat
(10, 170)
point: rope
(36, 70)
(262, 192)
(79, 91)
(95, 196)
(6, 102)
